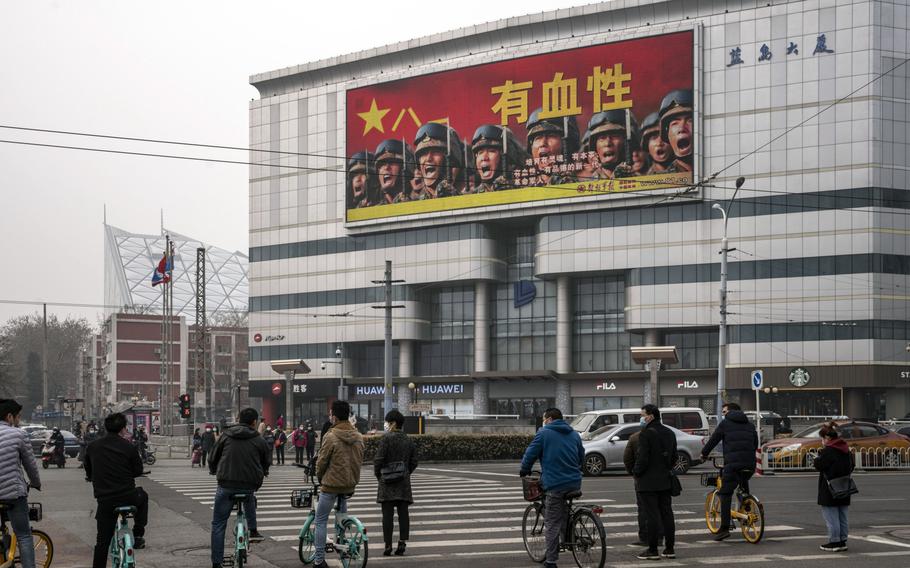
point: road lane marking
(883, 540)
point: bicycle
(122, 553)
(9, 552)
(750, 514)
(583, 532)
(351, 542)
(241, 532)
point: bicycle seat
(240, 497)
(125, 510)
(573, 494)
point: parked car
(605, 449)
(905, 431)
(689, 420)
(70, 442)
(879, 446)
(29, 428)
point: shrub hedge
(460, 447)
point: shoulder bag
(842, 487)
(393, 472)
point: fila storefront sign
(606, 387)
(687, 386)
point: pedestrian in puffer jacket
(395, 447)
(832, 462)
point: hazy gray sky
(164, 70)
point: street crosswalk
(456, 515)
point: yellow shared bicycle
(9, 549)
(750, 515)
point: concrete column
(405, 372)
(650, 392)
(563, 325)
(481, 327)
(481, 396)
(563, 396)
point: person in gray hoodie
(16, 453)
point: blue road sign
(757, 379)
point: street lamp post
(413, 388)
(722, 330)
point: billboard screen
(609, 118)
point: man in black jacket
(740, 442)
(652, 471)
(241, 460)
(112, 464)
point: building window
(589, 403)
(600, 342)
(696, 349)
(523, 407)
(523, 338)
(450, 350)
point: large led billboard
(609, 118)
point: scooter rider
(59, 443)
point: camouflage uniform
(612, 122)
(567, 129)
(361, 163)
(395, 150)
(435, 136)
(676, 103)
(510, 159)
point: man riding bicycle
(740, 443)
(16, 453)
(338, 470)
(241, 461)
(561, 455)
(112, 464)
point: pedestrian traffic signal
(185, 406)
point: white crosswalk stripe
(455, 516)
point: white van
(690, 420)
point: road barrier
(866, 459)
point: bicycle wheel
(753, 526)
(44, 549)
(306, 549)
(589, 540)
(712, 512)
(533, 534)
(352, 545)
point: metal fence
(866, 459)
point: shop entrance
(804, 402)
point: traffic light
(185, 406)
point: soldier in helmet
(361, 185)
(612, 143)
(551, 143)
(658, 151)
(440, 161)
(493, 165)
(393, 163)
(676, 127)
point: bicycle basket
(709, 479)
(301, 498)
(531, 488)
(35, 512)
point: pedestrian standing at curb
(310, 443)
(395, 461)
(832, 462)
(630, 454)
(281, 439)
(269, 438)
(652, 471)
(208, 442)
(298, 439)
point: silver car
(605, 448)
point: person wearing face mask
(652, 471)
(561, 455)
(208, 442)
(299, 439)
(396, 460)
(629, 456)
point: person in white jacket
(16, 453)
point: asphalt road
(470, 514)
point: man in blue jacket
(740, 443)
(561, 455)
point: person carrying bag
(834, 464)
(396, 460)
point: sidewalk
(172, 539)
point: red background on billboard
(658, 64)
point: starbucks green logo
(799, 377)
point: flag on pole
(162, 273)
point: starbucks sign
(799, 377)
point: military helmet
(359, 162)
(606, 121)
(392, 149)
(674, 103)
(434, 135)
(487, 136)
(537, 125)
(650, 126)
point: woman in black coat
(395, 449)
(832, 462)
